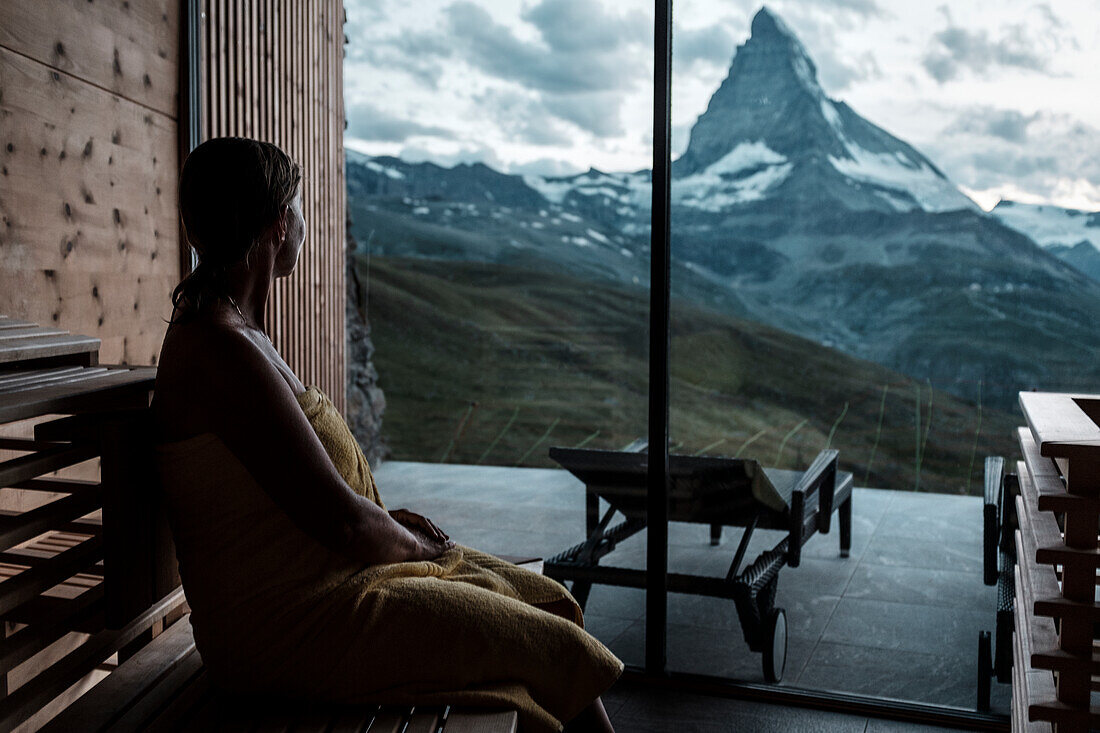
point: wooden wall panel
(129, 48)
(273, 71)
(88, 168)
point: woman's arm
(240, 394)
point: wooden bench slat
(188, 696)
(135, 685)
(9, 322)
(19, 375)
(1042, 470)
(388, 720)
(24, 444)
(37, 692)
(28, 641)
(83, 375)
(1061, 555)
(481, 722)
(18, 528)
(1064, 715)
(1057, 660)
(32, 582)
(57, 485)
(1042, 528)
(168, 687)
(22, 332)
(45, 346)
(117, 389)
(1061, 608)
(354, 721)
(423, 722)
(23, 468)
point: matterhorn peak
(772, 36)
(770, 122)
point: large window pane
(840, 283)
(506, 272)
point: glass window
(498, 187)
(869, 257)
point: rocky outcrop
(365, 400)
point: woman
(299, 580)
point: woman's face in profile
(291, 247)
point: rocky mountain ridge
(790, 209)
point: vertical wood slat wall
(273, 70)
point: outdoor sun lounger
(721, 492)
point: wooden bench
(89, 592)
(164, 686)
(1056, 670)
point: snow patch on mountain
(386, 170)
(631, 189)
(1050, 226)
(744, 174)
(828, 110)
(929, 190)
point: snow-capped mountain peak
(772, 97)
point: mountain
(770, 130)
(1070, 234)
(789, 209)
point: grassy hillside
(488, 363)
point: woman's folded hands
(431, 540)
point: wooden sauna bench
(164, 687)
(1056, 670)
(88, 573)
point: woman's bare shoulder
(200, 363)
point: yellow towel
(340, 443)
(276, 612)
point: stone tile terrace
(898, 619)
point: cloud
(818, 27)
(422, 55)
(1044, 155)
(581, 26)
(522, 117)
(368, 122)
(1007, 124)
(597, 113)
(711, 44)
(838, 74)
(466, 154)
(495, 49)
(955, 50)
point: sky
(1003, 96)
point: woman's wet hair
(232, 190)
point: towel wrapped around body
(274, 611)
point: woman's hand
(432, 540)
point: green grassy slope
(487, 363)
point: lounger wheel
(985, 670)
(775, 649)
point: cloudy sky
(1004, 97)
